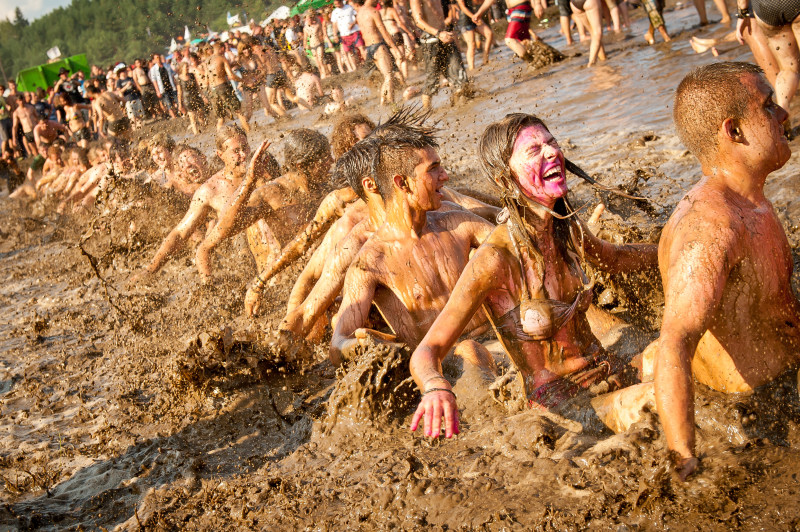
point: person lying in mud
(95, 179)
(528, 278)
(213, 195)
(161, 148)
(77, 163)
(53, 166)
(338, 215)
(285, 203)
(730, 316)
(410, 264)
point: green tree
(19, 19)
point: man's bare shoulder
(456, 218)
(704, 212)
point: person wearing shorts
(225, 102)
(118, 127)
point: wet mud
(160, 407)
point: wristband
(451, 392)
(744, 13)
(258, 284)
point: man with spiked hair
(409, 266)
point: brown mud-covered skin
(99, 427)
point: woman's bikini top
(541, 319)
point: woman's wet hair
(226, 133)
(705, 98)
(497, 144)
(344, 137)
(305, 148)
(398, 138)
(495, 147)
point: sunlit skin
(191, 171)
(493, 278)
(731, 319)
(210, 199)
(284, 203)
(394, 269)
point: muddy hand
(363, 335)
(252, 302)
(258, 164)
(741, 25)
(434, 406)
(686, 466)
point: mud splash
(99, 426)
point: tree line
(109, 30)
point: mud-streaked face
(235, 151)
(428, 180)
(763, 125)
(193, 167)
(161, 156)
(538, 164)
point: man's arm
(302, 317)
(483, 9)
(698, 261)
(196, 215)
(359, 291)
(481, 275)
(234, 217)
(475, 206)
(614, 258)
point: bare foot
(649, 38)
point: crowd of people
(443, 267)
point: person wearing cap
(67, 85)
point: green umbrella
(304, 5)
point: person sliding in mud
(214, 194)
(730, 316)
(780, 23)
(439, 51)
(409, 266)
(380, 46)
(518, 34)
(322, 279)
(284, 204)
(220, 75)
(528, 278)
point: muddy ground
(141, 408)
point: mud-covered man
(730, 316)
(213, 195)
(409, 266)
(439, 50)
(220, 75)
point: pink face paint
(538, 163)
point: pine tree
(19, 19)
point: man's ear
(368, 184)
(401, 182)
(732, 131)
